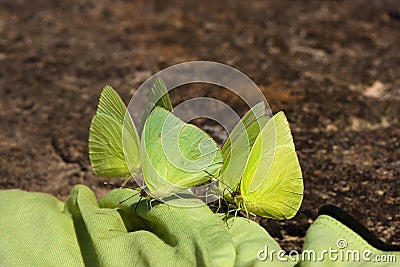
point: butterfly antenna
(130, 197)
(230, 190)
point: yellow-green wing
(237, 147)
(272, 183)
(106, 145)
(158, 97)
(176, 155)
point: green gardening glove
(337, 239)
(38, 230)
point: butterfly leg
(254, 216)
(219, 205)
(126, 181)
(236, 210)
(226, 218)
(247, 212)
(219, 200)
(227, 215)
(150, 203)
(211, 192)
(208, 189)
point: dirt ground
(333, 67)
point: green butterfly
(176, 155)
(106, 145)
(268, 182)
(237, 147)
(112, 133)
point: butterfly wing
(272, 183)
(158, 97)
(237, 147)
(106, 145)
(176, 155)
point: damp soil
(332, 67)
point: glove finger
(195, 232)
(254, 245)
